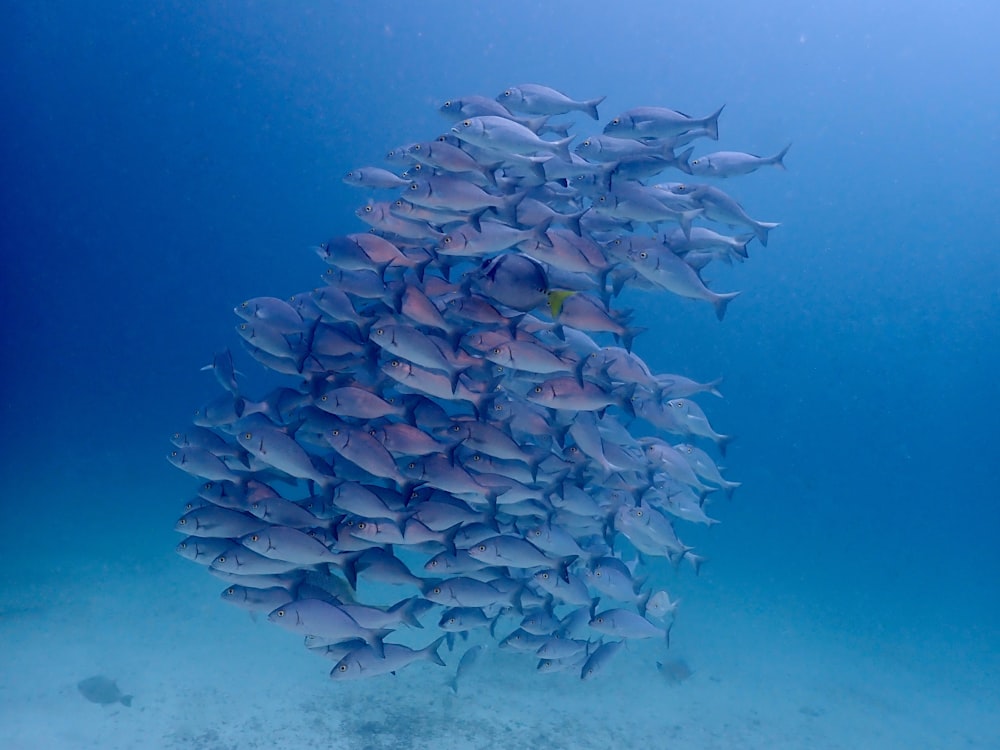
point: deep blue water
(164, 161)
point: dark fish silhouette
(103, 690)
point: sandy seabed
(207, 677)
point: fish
(469, 658)
(502, 134)
(535, 99)
(366, 662)
(103, 690)
(459, 406)
(733, 163)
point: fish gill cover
(463, 415)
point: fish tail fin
(712, 123)
(713, 387)
(431, 653)
(376, 640)
(778, 159)
(745, 239)
(562, 148)
(696, 561)
(730, 487)
(126, 700)
(407, 611)
(628, 336)
(761, 228)
(723, 442)
(681, 160)
(721, 302)
(572, 222)
(685, 219)
(536, 123)
(590, 107)
(540, 231)
(490, 172)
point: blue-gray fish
(625, 623)
(534, 99)
(366, 661)
(291, 545)
(373, 177)
(317, 617)
(733, 163)
(217, 523)
(277, 449)
(721, 207)
(465, 664)
(599, 659)
(660, 122)
(502, 134)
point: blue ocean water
(164, 161)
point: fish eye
(545, 576)
(399, 203)
(643, 255)
(372, 432)
(507, 92)
(182, 522)
(538, 389)
(243, 326)
(442, 138)
(335, 432)
(586, 143)
(395, 363)
(696, 161)
(467, 124)
(451, 620)
(432, 563)
(482, 547)
(603, 199)
(598, 573)
(679, 404)
(496, 349)
(182, 545)
(616, 121)
(455, 428)
(222, 559)
(254, 538)
(230, 591)
(245, 305)
(477, 457)
(368, 209)
(209, 485)
(342, 667)
(411, 465)
(498, 407)
(413, 186)
(638, 514)
(538, 532)
(447, 103)
(436, 590)
(416, 147)
(447, 239)
(247, 435)
(280, 613)
(379, 331)
(362, 525)
(322, 398)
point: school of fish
(463, 440)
